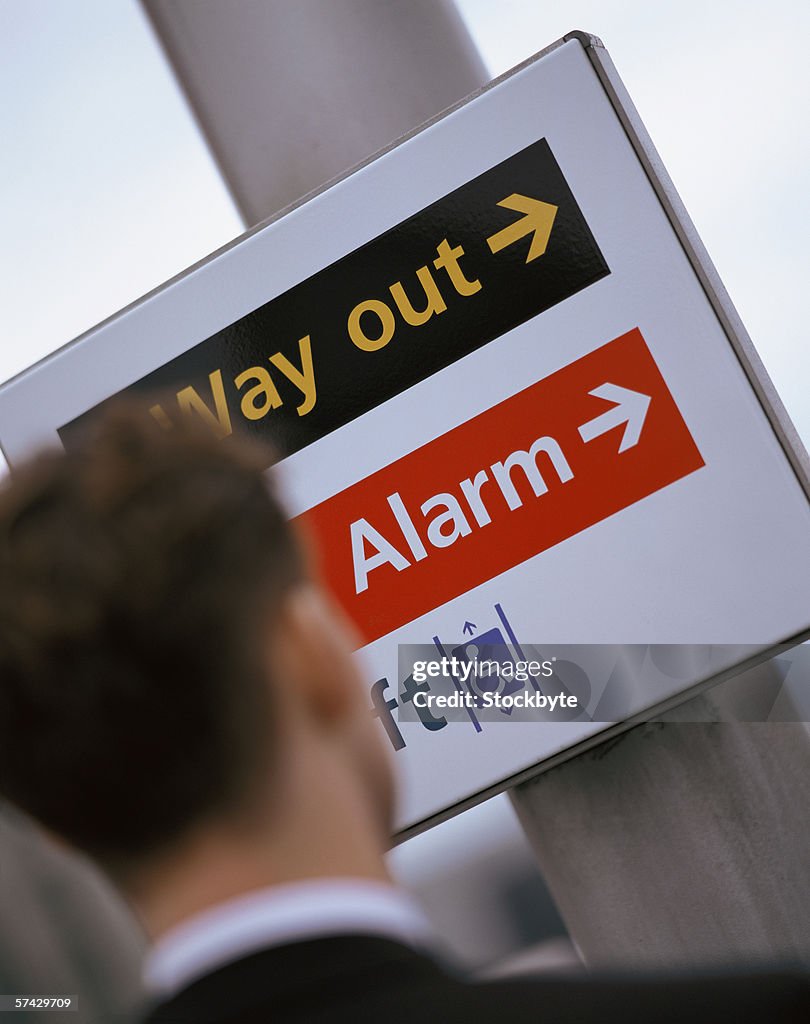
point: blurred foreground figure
(179, 700)
(62, 930)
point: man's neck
(220, 863)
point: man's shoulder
(355, 978)
(302, 980)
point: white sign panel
(516, 410)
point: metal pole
(292, 94)
(684, 840)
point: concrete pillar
(685, 840)
(293, 94)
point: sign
(417, 298)
(526, 474)
(515, 411)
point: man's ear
(313, 655)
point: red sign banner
(563, 454)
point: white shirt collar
(275, 917)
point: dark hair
(137, 575)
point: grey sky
(106, 188)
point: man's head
(162, 644)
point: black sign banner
(494, 253)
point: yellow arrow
(538, 220)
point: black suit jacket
(353, 979)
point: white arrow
(630, 408)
